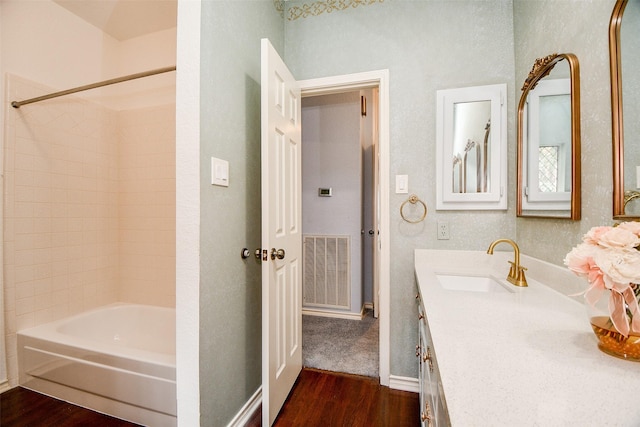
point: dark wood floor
(329, 399)
(318, 398)
(20, 407)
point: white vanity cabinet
(433, 412)
(525, 358)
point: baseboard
(404, 383)
(243, 417)
(4, 386)
(335, 314)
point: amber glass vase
(610, 340)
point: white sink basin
(454, 282)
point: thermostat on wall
(324, 192)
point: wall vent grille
(327, 271)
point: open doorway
(281, 196)
(340, 231)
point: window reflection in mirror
(547, 146)
(471, 157)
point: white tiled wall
(147, 195)
(89, 209)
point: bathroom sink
(468, 283)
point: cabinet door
(427, 391)
(422, 381)
(433, 407)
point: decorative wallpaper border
(279, 5)
(321, 6)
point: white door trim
(343, 83)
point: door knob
(277, 253)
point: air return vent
(327, 271)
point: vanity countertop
(522, 358)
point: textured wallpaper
(579, 27)
(426, 45)
(431, 45)
(230, 288)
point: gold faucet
(516, 272)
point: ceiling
(125, 19)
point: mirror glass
(549, 140)
(625, 91)
(471, 163)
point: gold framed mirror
(623, 48)
(548, 137)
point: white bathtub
(119, 359)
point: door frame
(351, 82)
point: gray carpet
(341, 345)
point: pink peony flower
(619, 238)
(593, 235)
(633, 226)
(609, 258)
(580, 259)
(620, 266)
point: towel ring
(413, 199)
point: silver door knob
(277, 253)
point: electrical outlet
(443, 230)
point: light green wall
(579, 27)
(426, 45)
(230, 296)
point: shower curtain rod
(18, 104)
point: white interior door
(281, 232)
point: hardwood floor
(321, 398)
(20, 407)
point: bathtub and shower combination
(118, 359)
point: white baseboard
(334, 314)
(4, 386)
(246, 412)
(404, 383)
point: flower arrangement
(609, 258)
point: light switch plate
(219, 172)
(402, 184)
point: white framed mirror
(471, 148)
